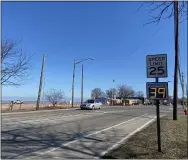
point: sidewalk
(95, 144)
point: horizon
(111, 33)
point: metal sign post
(157, 68)
(158, 122)
(157, 91)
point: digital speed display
(157, 90)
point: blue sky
(110, 32)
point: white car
(91, 104)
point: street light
(113, 93)
(74, 76)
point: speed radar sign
(157, 90)
(156, 66)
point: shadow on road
(35, 141)
(29, 141)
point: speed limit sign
(156, 66)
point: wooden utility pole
(40, 85)
(43, 91)
(73, 83)
(176, 31)
(82, 87)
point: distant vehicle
(147, 103)
(18, 102)
(91, 104)
(131, 102)
(169, 104)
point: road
(71, 133)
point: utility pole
(73, 83)
(82, 87)
(40, 85)
(43, 92)
(176, 30)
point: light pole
(113, 93)
(82, 87)
(74, 68)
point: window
(90, 101)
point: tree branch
(15, 64)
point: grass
(143, 145)
(25, 109)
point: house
(137, 99)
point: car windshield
(89, 101)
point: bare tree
(97, 92)
(15, 64)
(140, 94)
(164, 10)
(125, 91)
(54, 96)
(111, 92)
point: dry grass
(143, 145)
(32, 107)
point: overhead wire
(143, 44)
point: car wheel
(93, 107)
(99, 107)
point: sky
(110, 32)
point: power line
(143, 44)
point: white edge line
(105, 129)
(127, 137)
(66, 144)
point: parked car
(91, 104)
(18, 102)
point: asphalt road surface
(71, 133)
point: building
(137, 99)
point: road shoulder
(143, 145)
(95, 144)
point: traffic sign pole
(157, 68)
(158, 123)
